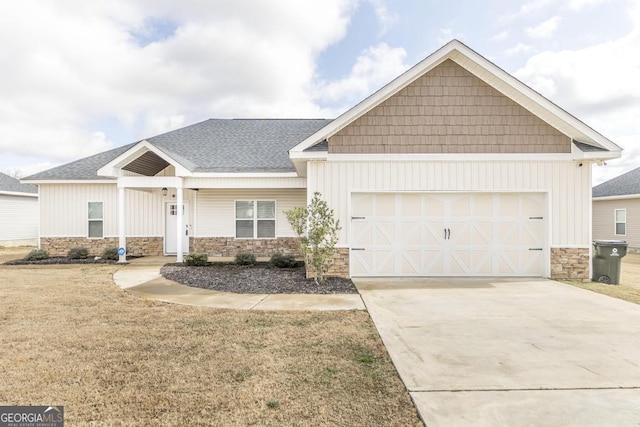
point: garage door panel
(456, 234)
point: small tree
(317, 231)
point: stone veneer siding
(230, 247)
(570, 263)
(59, 246)
(340, 267)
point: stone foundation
(340, 266)
(570, 264)
(59, 246)
(230, 247)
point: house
(616, 210)
(19, 212)
(455, 168)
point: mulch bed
(257, 279)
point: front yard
(70, 337)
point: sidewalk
(142, 277)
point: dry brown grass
(11, 253)
(629, 287)
(70, 337)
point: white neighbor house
(19, 213)
(455, 168)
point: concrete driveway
(510, 352)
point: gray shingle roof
(8, 183)
(83, 169)
(215, 145)
(625, 184)
(239, 145)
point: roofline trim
(618, 197)
(69, 181)
(18, 193)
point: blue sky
(81, 77)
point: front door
(170, 228)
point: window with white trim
(621, 222)
(96, 220)
(255, 219)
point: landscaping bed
(260, 278)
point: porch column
(122, 238)
(180, 221)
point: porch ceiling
(148, 164)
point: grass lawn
(629, 287)
(70, 337)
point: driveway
(510, 352)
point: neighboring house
(18, 212)
(616, 210)
(455, 168)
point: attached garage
(448, 234)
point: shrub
(110, 253)
(197, 260)
(317, 230)
(78, 253)
(245, 259)
(37, 255)
(282, 261)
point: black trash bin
(606, 260)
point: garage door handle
(535, 249)
(357, 249)
(447, 234)
(536, 217)
(357, 217)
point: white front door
(170, 228)
(448, 234)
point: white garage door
(448, 234)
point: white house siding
(19, 220)
(566, 183)
(604, 225)
(215, 211)
(63, 209)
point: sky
(79, 77)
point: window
(96, 219)
(621, 222)
(255, 219)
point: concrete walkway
(142, 277)
(504, 352)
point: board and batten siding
(19, 218)
(604, 222)
(215, 215)
(566, 183)
(64, 210)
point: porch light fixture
(164, 191)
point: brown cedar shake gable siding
(449, 110)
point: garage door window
(621, 222)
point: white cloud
(500, 36)
(519, 48)
(70, 68)
(581, 4)
(600, 85)
(545, 29)
(375, 67)
(386, 18)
